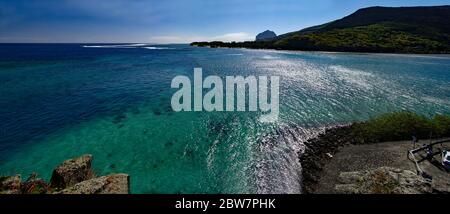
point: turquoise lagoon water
(62, 101)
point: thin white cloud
(229, 37)
(175, 39)
(234, 37)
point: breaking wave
(158, 48)
(145, 46)
(115, 46)
(278, 170)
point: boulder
(10, 184)
(384, 180)
(111, 184)
(71, 172)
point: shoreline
(317, 153)
(328, 51)
(336, 152)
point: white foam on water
(297, 71)
(115, 46)
(436, 100)
(278, 169)
(158, 48)
(269, 57)
(211, 153)
(352, 76)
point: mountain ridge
(422, 29)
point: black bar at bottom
(224, 202)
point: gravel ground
(364, 157)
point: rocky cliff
(74, 176)
(384, 180)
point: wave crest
(146, 46)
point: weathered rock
(34, 185)
(10, 184)
(72, 172)
(111, 184)
(384, 180)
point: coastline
(317, 153)
(337, 152)
(333, 52)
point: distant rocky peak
(266, 35)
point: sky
(169, 21)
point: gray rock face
(71, 172)
(111, 184)
(384, 180)
(74, 176)
(266, 35)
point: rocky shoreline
(370, 167)
(73, 176)
(318, 151)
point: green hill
(374, 29)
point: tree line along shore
(415, 30)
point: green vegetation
(375, 29)
(383, 37)
(401, 126)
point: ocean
(59, 101)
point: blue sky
(169, 21)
